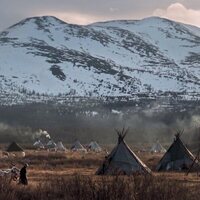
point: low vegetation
(70, 176)
(111, 188)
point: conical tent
(158, 148)
(177, 157)
(60, 146)
(38, 144)
(122, 160)
(51, 144)
(77, 146)
(94, 146)
(14, 147)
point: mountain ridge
(152, 56)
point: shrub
(107, 188)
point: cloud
(88, 11)
(72, 17)
(76, 11)
(179, 12)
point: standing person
(22, 178)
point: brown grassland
(70, 176)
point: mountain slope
(115, 58)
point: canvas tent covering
(51, 144)
(14, 147)
(94, 146)
(122, 160)
(15, 150)
(77, 146)
(158, 148)
(177, 157)
(60, 146)
(38, 144)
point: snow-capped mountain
(45, 55)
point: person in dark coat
(22, 178)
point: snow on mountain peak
(114, 58)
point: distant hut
(77, 146)
(51, 145)
(177, 157)
(157, 148)
(122, 160)
(38, 144)
(15, 149)
(94, 146)
(60, 146)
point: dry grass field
(70, 175)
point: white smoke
(42, 134)
(3, 126)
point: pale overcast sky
(88, 11)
